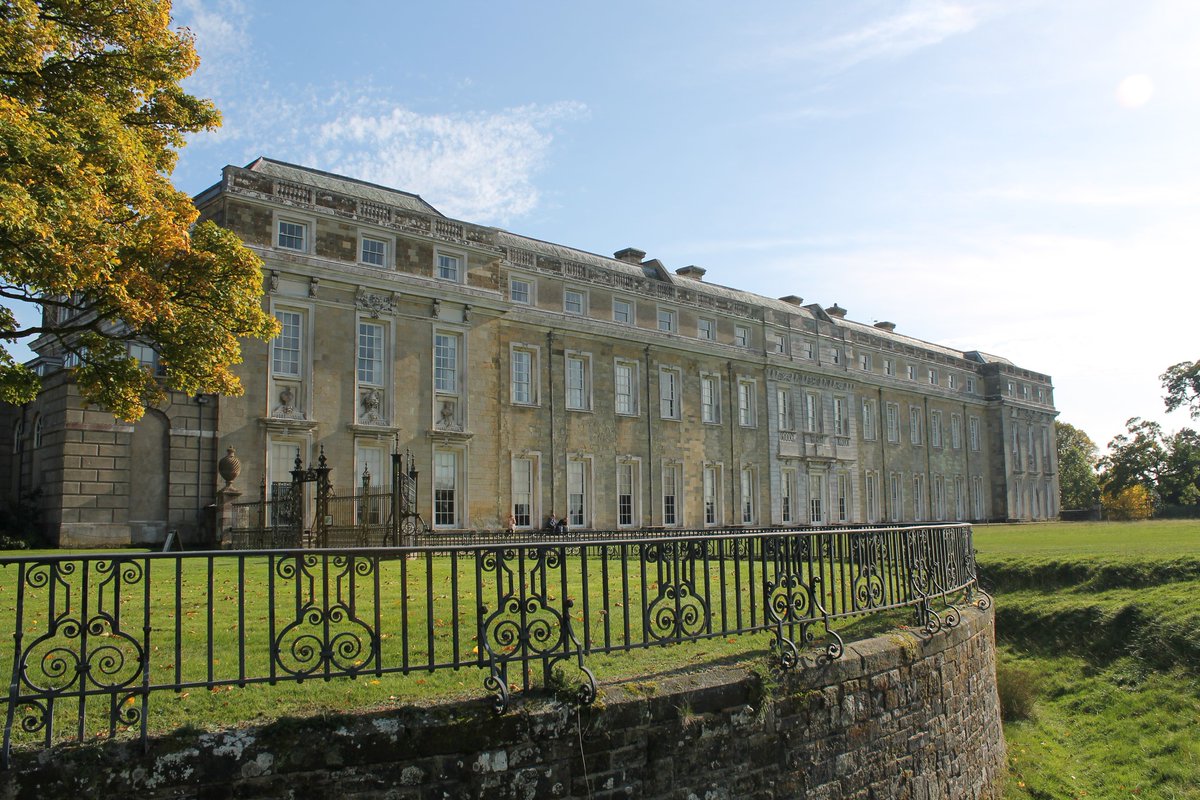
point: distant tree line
(1147, 471)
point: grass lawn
(1073, 541)
(1104, 619)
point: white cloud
(221, 30)
(476, 166)
(920, 23)
(915, 25)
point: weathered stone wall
(895, 717)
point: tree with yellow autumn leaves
(91, 229)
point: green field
(1103, 620)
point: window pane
(623, 379)
(576, 493)
(622, 312)
(445, 474)
(519, 291)
(291, 235)
(522, 372)
(445, 363)
(285, 349)
(625, 494)
(370, 353)
(373, 251)
(523, 492)
(577, 393)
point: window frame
(460, 271)
(871, 496)
(584, 464)
(669, 316)
(630, 467)
(701, 323)
(787, 495)
(672, 475)
(384, 243)
(676, 399)
(895, 496)
(920, 506)
(533, 380)
(533, 473)
(916, 425)
(710, 492)
(530, 290)
(742, 336)
(307, 227)
(785, 418)
(710, 408)
(892, 422)
(747, 501)
(869, 418)
(816, 498)
(841, 417)
(631, 311)
(379, 361)
(583, 302)
(458, 502)
(812, 412)
(634, 384)
(300, 349)
(584, 389)
(747, 395)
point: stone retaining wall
(896, 717)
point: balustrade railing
(97, 636)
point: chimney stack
(691, 271)
(836, 311)
(630, 255)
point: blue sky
(1019, 176)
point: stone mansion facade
(529, 378)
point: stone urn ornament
(230, 466)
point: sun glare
(1135, 91)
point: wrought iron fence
(97, 636)
(307, 512)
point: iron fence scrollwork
(97, 636)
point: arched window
(18, 435)
(37, 432)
